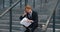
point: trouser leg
(27, 30)
(32, 29)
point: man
(33, 18)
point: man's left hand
(30, 21)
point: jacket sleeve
(35, 18)
(21, 17)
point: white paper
(24, 22)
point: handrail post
(20, 3)
(10, 20)
(10, 17)
(54, 21)
(45, 1)
(3, 3)
(26, 2)
(41, 4)
(33, 3)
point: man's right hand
(24, 13)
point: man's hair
(28, 7)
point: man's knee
(32, 29)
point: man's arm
(22, 16)
(35, 17)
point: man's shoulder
(34, 11)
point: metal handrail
(13, 5)
(10, 9)
(44, 28)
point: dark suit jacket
(34, 17)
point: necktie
(29, 15)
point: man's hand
(24, 13)
(30, 21)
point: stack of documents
(24, 22)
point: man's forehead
(28, 7)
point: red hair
(28, 7)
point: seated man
(32, 16)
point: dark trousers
(30, 30)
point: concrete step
(18, 23)
(38, 30)
(7, 30)
(51, 30)
(42, 18)
(14, 27)
(16, 17)
(21, 11)
(57, 21)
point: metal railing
(44, 28)
(13, 5)
(52, 15)
(10, 10)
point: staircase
(43, 10)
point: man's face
(27, 10)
